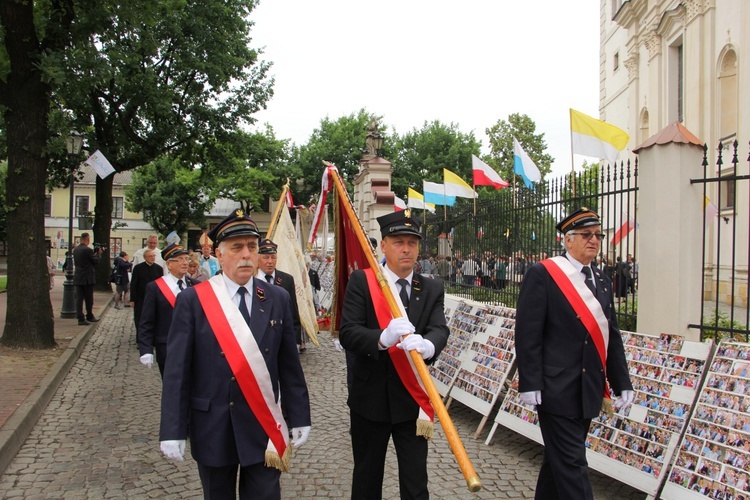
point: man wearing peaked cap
(399, 223)
(158, 306)
(380, 405)
(561, 369)
(267, 260)
(232, 338)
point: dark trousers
(564, 472)
(257, 482)
(370, 443)
(84, 293)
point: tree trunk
(29, 322)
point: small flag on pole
(507, 233)
(415, 199)
(435, 193)
(524, 166)
(398, 204)
(100, 164)
(592, 137)
(456, 186)
(480, 233)
(484, 175)
(711, 211)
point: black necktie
(243, 306)
(589, 283)
(179, 284)
(269, 277)
(404, 296)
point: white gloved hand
(531, 398)
(173, 449)
(416, 342)
(300, 435)
(624, 399)
(397, 328)
(147, 360)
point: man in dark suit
(568, 346)
(143, 274)
(231, 339)
(380, 404)
(85, 259)
(267, 271)
(158, 306)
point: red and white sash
(402, 361)
(248, 365)
(584, 303)
(168, 293)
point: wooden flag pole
(457, 447)
(277, 211)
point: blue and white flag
(524, 166)
(435, 193)
(102, 166)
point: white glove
(173, 449)
(624, 399)
(337, 345)
(531, 398)
(416, 342)
(397, 328)
(147, 360)
(300, 435)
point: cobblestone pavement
(98, 438)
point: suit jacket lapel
(602, 291)
(261, 312)
(417, 299)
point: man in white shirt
(151, 244)
(209, 262)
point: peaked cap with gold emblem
(236, 224)
(580, 218)
(399, 223)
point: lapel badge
(416, 285)
(278, 280)
(260, 293)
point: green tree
(423, 154)
(151, 78)
(586, 192)
(34, 38)
(247, 168)
(169, 194)
(339, 141)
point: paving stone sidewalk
(98, 438)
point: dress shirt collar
(232, 288)
(171, 280)
(395, 277)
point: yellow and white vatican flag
(290, 259)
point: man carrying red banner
(568, 346)
(385, 397)
(233, 364)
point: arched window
(728, 95)
(643, 133)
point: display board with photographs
(464, 324)
(486, 363)
(634, 445)
(713, 459)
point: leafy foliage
(169, 194)
(423, 154)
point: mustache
(245, 263)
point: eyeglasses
(587, 236)
(179, 259)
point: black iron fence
(726, 246)
(512, 228)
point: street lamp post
(73, 145)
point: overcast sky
(471, 63)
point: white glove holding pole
(397, 328)
(416, 342)
(624, 399)
(300, 435)
(173, 449)
(531, 398)
(147, 360)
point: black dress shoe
(92, 319)
(84, 322)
